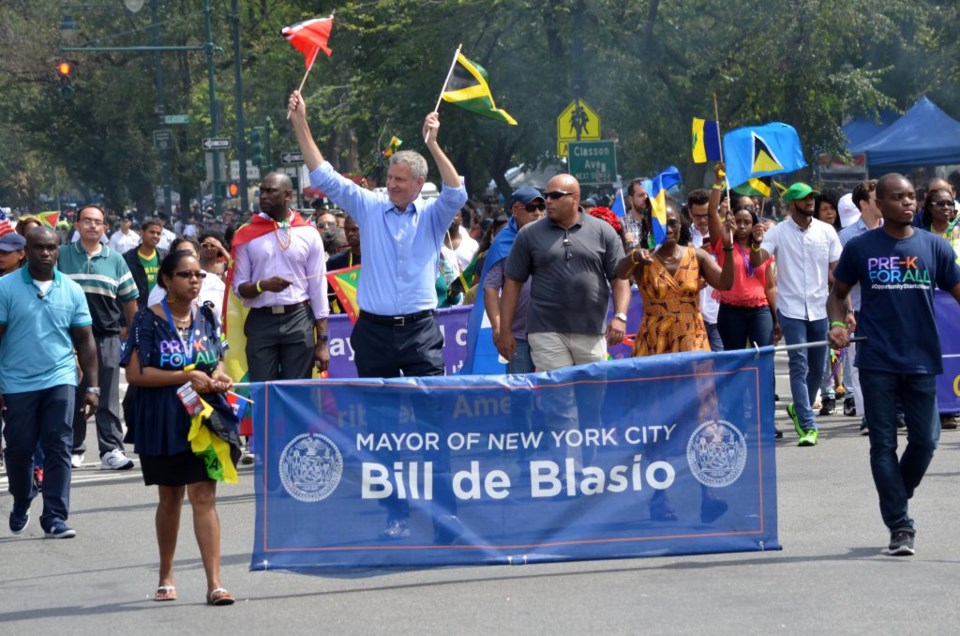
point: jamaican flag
(467, 88)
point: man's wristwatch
(620, 316)
(323, 337)
(94, 389)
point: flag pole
(453, 65)
(716, 116)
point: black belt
(281, 309)
(397, 321)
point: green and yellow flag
(392, 147)
(467, 87)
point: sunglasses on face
(535, 207)
(185, 274)
(941, 204)
(553, 195)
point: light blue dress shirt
(401, 248)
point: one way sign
(215, 143)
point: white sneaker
(115, 460)
(76, 461)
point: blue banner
(637, 457)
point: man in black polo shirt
(572, 257)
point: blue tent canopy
(924, 136)
(858, 131)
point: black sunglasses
(567, 244)
(941, 204)
(185, 274)
(535, 207)
(556, 194)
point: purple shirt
(302, 261)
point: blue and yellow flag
(760, 151)
(658, 201)
(706, 140)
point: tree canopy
(647, 67)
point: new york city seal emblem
(717, 453)
(310, 467)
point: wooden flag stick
(716, 116)
(453, 65)
(302, 82)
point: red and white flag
(5, 226)
(310, 37)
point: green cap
(799, 191)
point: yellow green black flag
(467, 87)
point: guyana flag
(344, 283)
(467, 88)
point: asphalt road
(830, 576)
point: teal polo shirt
(36, 351)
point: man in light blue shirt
(43, 318)
(400, 238)
(396, 332)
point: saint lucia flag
(468, 88)
(658, 201)
(759, 151)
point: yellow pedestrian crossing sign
(577, 116)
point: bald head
(563, 199)
(40, 234)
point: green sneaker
(792, 412)
(809, 438)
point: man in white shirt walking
(807, 251)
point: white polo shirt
(803, 266)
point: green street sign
(593, 162)
(176, 119)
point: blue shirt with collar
(36, 351)
(401, 248)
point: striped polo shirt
(106, 281)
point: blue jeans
(806, 365)
(521, 362)
(713, 335)
(896, 480)
(740, 326)
(44, 416)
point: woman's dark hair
(186, 239)
(926, 219)
(683, 238)
(737, 201)
(169, 265)
(832, 197)
(210, 234)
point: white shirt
(212, 289)
(803, 266)
(709, 305)
(468, 248)
(121, 243)
(166, 239)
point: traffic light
(233, 190)
(256, 146)
(65, 71)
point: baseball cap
(847, 210)
(12, 242)
(799, 190)
(525, 195)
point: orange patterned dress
(671, 308)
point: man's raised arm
(431, 125)
(298, 117)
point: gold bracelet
(755, 248)
(259, 289)
(633, 257)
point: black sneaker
(849, 407)
(829, 406)
(901, 542)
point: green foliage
(647, 67)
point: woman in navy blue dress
(170, 344)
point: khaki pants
(553, 350)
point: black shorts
(173, 470)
